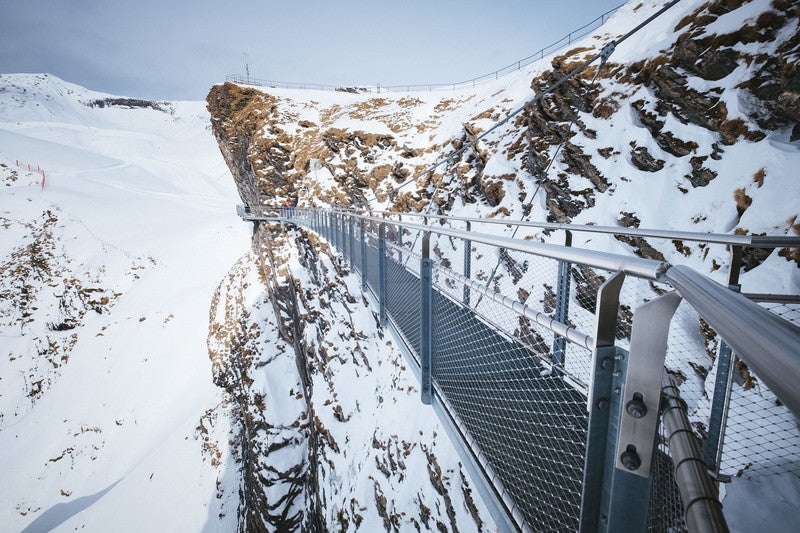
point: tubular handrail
(755, 241)
(767, 343)
(634, 266)
(703, 510)
(559, 328)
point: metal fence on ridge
(567, 40)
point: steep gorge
(708, 118)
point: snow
(749, 501)
(139, 195)
(663, 199)
(142, 215)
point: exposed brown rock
(642, 160)
(700, 176)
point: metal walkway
(561, 429)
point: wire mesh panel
(528, 422)
(403, 299)
(355, 253)
(372, 262)
(666, 507)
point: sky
(173, 50)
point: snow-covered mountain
(691, 125)
(107, 276)
(109, 413)
(152, 380)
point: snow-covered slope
(691, 125)
(112, 414)
(107, 277)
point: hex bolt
(636, 407)
(602, 403)
(630, 459)
(606, 363)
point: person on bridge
(289, 207)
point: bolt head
(630, 460)
(636, 408)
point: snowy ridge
(104, 315)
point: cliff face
(328, 432)
(691, 125)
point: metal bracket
(606, 52)
(605, 322)
(642, 390)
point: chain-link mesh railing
(501, 363)
(529, 421)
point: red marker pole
(43, 179)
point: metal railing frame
(538, 55)
(624, 392)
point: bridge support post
(601, 404)
(562, 308)
(624, 400)
(382, 272)
(400, 239)
(426, 320)
(723, 382)
(351, 241)
(363, 255)
(467, 264)
(335, 230)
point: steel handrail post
(363, 255)
(723, 382)
(562, 307)
(351, 244)
(382, 273)
(400, 237)
(467, 263)
(426, 320)
(628, 487)
(602, 403)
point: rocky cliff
(691, 125)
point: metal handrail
(768, 344)
(755, 241)
(635, 266)
(567, 40)
(703, 509)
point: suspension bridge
(549, 370)
(553, 367)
